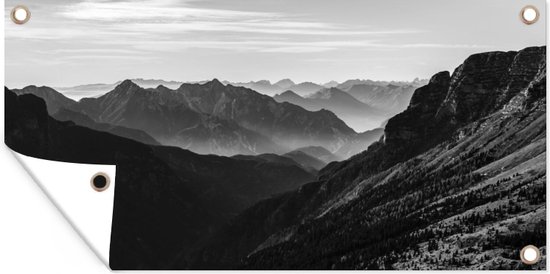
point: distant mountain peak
(215, 83)
(43, 88)
(285, 83)
(290, 93)
(392, 86)
(163, 88)
(127, 84)
(328, 93)
(264, 82)
(331, 84)
(54, 99)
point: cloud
(267, 46)
(260, 26)
(434, 45)
(170, 25)
(286, 46)
(116, 11)
(169, 16)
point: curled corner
(68, 187)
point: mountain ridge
(213, 118)
(148, 109)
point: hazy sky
(69, 42)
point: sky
(72, 42)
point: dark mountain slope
(82, 120)
(405, 201)
(425, 203)
(54, 100)
(435, 176)
(417, 124)
(307, 161)
(163, 195)
(319, 153)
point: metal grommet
(530, 255)
(20, 14)
(100, 182)
(529, 15)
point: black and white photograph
(294, 135)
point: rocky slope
(448, 187)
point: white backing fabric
(68, 187)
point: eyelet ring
(529, 14)
(100, 182)
(20, 14)
(530, 255)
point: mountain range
(261, 86)
(209, 118)
(96, 90)
(380, 99)
(457, 180)
(266, 87)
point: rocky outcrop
(487, 81)
(483, 84)
(417, 123)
